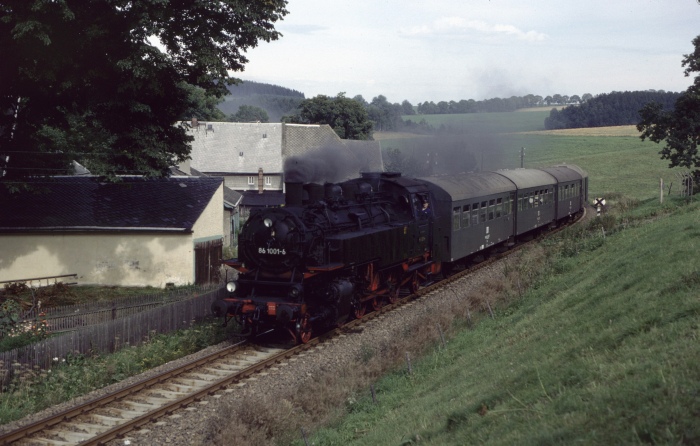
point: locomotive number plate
(272, 251)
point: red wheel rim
(377, 303)
(305, 330)
(359, 311)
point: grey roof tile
(85, 203)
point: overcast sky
(477, 49)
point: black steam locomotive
(335, 250)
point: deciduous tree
(347, 117)
(680, 127)
(249, 113)
(83, 79)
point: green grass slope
(603, 350)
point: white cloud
(460, 25)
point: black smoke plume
(327, 164)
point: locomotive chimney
(294, 193)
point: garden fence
(110, 335)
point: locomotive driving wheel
(359, 309)
(304, 330)
(377, 303)
(393, 294)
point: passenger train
(338, 249)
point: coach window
(499, 207)
(456, 217)
(475, 214)
(466, 215)
(482, 212)
(492, 209)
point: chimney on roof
(260, 180)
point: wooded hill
(275, 100)
(610, 109)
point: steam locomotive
(336, 250)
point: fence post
(490, 310)
(408, 361)
(442, 337)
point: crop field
(616, 159)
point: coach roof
(528, 178)
(468, 185)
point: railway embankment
(593, 339)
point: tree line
(492, 105)
(610, 109)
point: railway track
(112, 416)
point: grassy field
(602, 350)
(489, 122)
